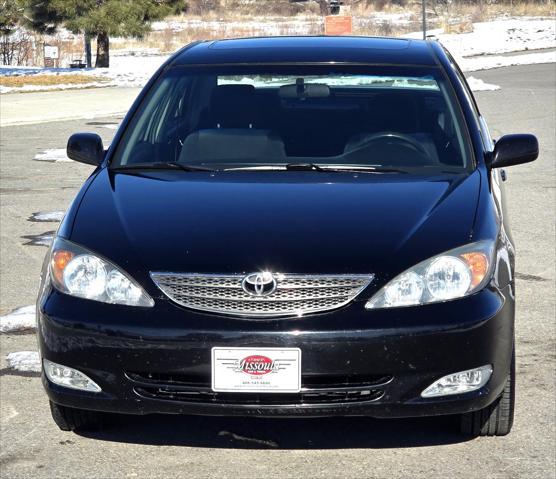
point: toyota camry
(309, 226)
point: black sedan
(307, 226)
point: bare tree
(15, 49)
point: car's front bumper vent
(294, 294)
(322, 392)
(208, 397)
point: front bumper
(158, 360)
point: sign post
(423, 6)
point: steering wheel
(406, 140)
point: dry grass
(239, 18)
(491, 11)
(239, 9)
(167, 41)
(44, 80)
(459, 27)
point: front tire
(496, 419)
(71, 419)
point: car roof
(314, 49)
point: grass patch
(45, 80)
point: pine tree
(100, 18)
(10, 13)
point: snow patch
(19, 319)
(497, 36)
(54, 155)
(497, 61)
(41, 239)
(28, 361)
(476, 84)
(47, 216)
(129, 70)
(504, 36)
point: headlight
(454, 274)
(77, 271)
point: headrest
(234, 106)
(232, 145)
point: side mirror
(514, 150)
(86, 148)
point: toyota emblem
(259, 284)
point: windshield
(279, 117)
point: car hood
(295, 222)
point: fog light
(457, 383)
(68, 377)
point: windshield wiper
(368, 169)
(304, 167)
(315, 167)
(167, 165)
(288, 167)
(337, 168)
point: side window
(154, 127)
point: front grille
(320, 391)
(294, 295)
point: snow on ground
(50, 216)
(482, 48)
(18, 320)
(497, 61)
(27, 361)
(131, 70)
(500, 36)
(476, 84)
(125, 71)
(54, 155)
(41, 239)
(477, 50)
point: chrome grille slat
(280, 295)
(317, 283)
(294, 295)
(190, 280)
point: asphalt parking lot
(157, 446)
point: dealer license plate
(257, 370)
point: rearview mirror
(514, 150)
(302, 90)
(86, 148)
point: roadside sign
(51, 52)
(51, 55)
(338, 25)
